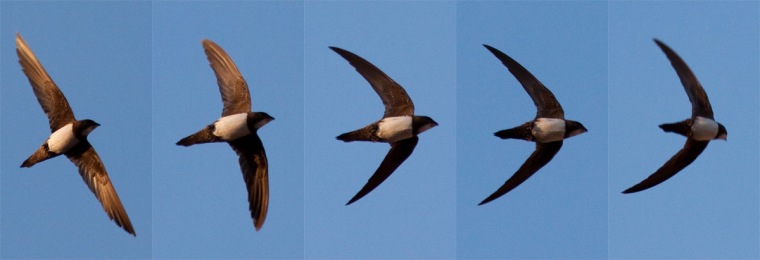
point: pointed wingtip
(632, 190)
(354, 199)
(489, 199)
(19, 40)
(336, 49)
(491, 49)
(128, 227)
(660, 43)
(359, 195)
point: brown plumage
(547, 106)
(59, 113)
(252, 158)
(700, 107)
(397, 104)
(235, 95)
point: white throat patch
(232, 127)
(704, 129)
(392, 129)
(62, 140)
(548, 130)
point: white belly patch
(393, 129)
(548, 130)
(232, 127)
(62, 139)
(704, 129)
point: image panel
(554, 204)
(707, 208)
(201, 192)
(98, 56)
(411, 49)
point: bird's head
(259, 119)
(573, 128)
(722, 133)
(83, 128)
(423, 123)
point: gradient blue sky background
(710, 209)
(561, 211)
(139, 70)
(98, 53)
(412, 214)
(200, 201)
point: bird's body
(399, 126)
(69, 137)
(548, 129)
(238, 127)
(699, 129)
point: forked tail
(681, 128)
(40, 155)
(363, 134)
(203, 136)
(519, 132)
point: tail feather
(40, 155)
(507, 133)
(681, 128)
(364, 134)
(203, 136)
(518, 132)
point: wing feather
(400, 150)
(546, 104)
(95, 176)
(541, 156)
(700, 104)
(253, 164)
(680, 160)
(52, 100)
(235, 95)
(394, 97)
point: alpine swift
(699, 129)
(238, 126)
(399, 126)
(69, 137)
(547, 130)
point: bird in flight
(547, 130)
(69, 137)
(239, 127)
(699, 129)
(399, 126)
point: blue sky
(200, 201)
(100, 59)
(138, 69)
(545, 216)
(412, 214)
(709, 209)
